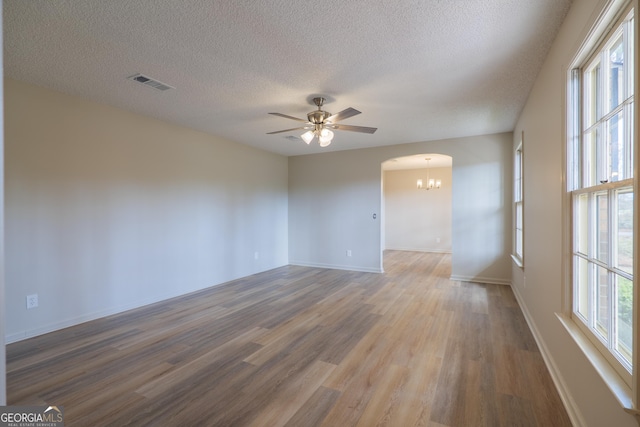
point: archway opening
(417, 203)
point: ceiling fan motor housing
(318, 117)
(318, 123)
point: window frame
(602, 33)
(517, 251)
(606, 346)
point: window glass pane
(624, 230)
(624, 317)
(600, 149)
(581, 224)
(589, 163)
(617, 149)
(518, 230)
(592, 94)
(518, 176)
(629, 38)
(582, 286)
(517, 199)
(629, 142)
(616, 73)
(602, 227)
(574, 174)
(602, 302)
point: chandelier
(431, 183)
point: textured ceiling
(417, 69)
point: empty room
(281, 213)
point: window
(600, 185)
(518, 187)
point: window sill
(618, 387)
(517, 261)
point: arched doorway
(417, 219)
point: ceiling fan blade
(289, 117)
(344, 114)
(289, 130)
(350, 128)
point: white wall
(332, 200)
(107, 210)
(332, 197)
(540, 286)
(417, 220)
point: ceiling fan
(320, 123)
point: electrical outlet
(32, 301)
(348, 252)
(256, 255)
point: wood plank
(286, 404)
(421, 391)
(220, 356)
(315, 409)
(298, 346)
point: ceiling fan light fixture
(326, 136)
(324, 142)
(326, 133)
(320, 123)
(308, 136)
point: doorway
(417, 203)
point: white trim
(608, 16)
(30, 333)
(480, 279)
(605, 20)
(517, 261)
(518, 198)
(432, 251)
(616, 384)
(570, 405)
(337, 267)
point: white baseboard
(337, 267)
(570, 405)
(433, 251)
(87, 317)
(480, 279)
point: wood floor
(300, 346)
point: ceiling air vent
(140, 78)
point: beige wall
(417, 220)
(333, 196)
(541, 285)
(107, 210)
